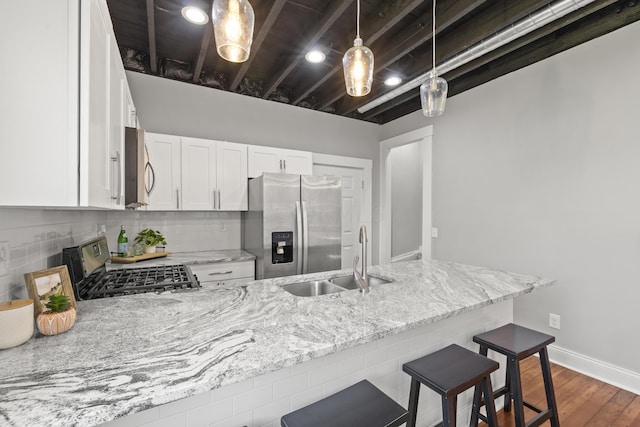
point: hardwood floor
(582, 401)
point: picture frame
(43, 283)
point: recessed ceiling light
(195, 15)
(315, 56)
(393, 81)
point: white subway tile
(335, 386)
(177, 420)
(271, 377)
(376, 356)
(271, 413)
(240, 420)
(253, 399)
(290, 386)
(323, 374)
(184, 405)
(306, 366)
(136, 419)
(306, 397)
(210, 413)
(231, 390)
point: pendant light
(433, 92)
(233, 29)
(357, 63)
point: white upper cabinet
(231, 174)
(165, 170)
(63, 129)
(196, 174)
(278, 160)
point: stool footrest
(540, 419)
(533, 408)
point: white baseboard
(603, 371)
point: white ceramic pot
(150, 250)
(16, 322)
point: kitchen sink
(348, 282)
(312, 288)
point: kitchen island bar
(245, 355)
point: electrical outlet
(4, 258)
(434, 232)
(554, 321)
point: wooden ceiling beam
(374, 28)
(333, 12)
(204, 48)
(500, 52)
(151, 29)
(412, 37)
(609, 19)
(269, 21)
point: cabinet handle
(280, 165)
(177, 198)
(284, 169)
(118, 188)
(219, 200)
(152, 176)
(215, 273)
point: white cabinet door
(117, 100)
(263, 160)
(164, 157)
(198, 174)
(95, 151)
(297, 162)
(231, 176)
(278, 160)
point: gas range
(91, 279)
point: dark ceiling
(154, 38)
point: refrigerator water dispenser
(282, 247)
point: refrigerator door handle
(299, 242)
(305, 240)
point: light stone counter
(190, 258)
(131, 353)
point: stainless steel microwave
(138, 171)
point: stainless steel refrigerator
(293, 225)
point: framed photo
(44, 283)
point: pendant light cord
(358, 21)
(433, 36)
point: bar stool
(449, 372)
(518, 343)
(361, 405)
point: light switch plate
(4, 258)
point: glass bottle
(123, 242)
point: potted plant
(59, 317)
(150, 238)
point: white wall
(178, 108)
(406, 198)
(538, 172)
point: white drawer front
(219, 271)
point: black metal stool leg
(449, 406)
(548, 387)
(507, 387)
(475, 409)
(516, 389)
(413, 402)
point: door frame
(366, 166)
(424, 136)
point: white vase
(150, 250)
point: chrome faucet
(361, 278)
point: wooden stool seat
(449, 372)
(361, 405)
(517, 343)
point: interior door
(352, 200)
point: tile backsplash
(32, 239)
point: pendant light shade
(233, 29)
(433, 95)
(433, 92)
(357, 63)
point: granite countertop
(131, 353)
(190, 258)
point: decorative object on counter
(59, 317)
(123, 242)
(42, 284)
(151, 239)
(136, 258)
(16, 322)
